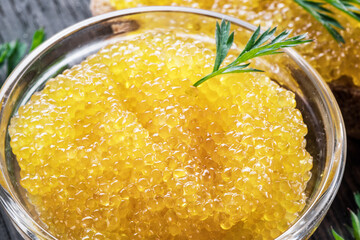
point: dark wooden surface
(20, 18)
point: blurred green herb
(255, 47)
(12, 52)
(6, 51)
(18, 51)
(347, 6)
(38, 38)
(322, 14)
(354, 229)
(336, 236)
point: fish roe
(323, 54)
(122, 146)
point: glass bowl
(326, 140)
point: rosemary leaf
(336, 235)
(347, 7)
(18, 52)
(255, 47)
(323, 15)
(38, 38)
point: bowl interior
(75, 45)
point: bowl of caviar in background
(334, 28)
(105, 136)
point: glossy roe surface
(331, 59)
(122, 146)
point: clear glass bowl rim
(336, 141)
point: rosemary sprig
(12, 52)
(255, 47)
(355, 222)
(38, 38)
(347, 6)
(323, 15)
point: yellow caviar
(332, 60)
(123, 147)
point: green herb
(323, 15)
(223, 42)
(17, 53)
(13, 52)
(355, 225)
(255, 47)
(6, 51)
(355, 222)
(38, 38)
(336, 236)
(347, 6)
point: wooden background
(20, 18)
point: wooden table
(20, 18)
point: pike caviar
(123, 147)
(323, 54)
